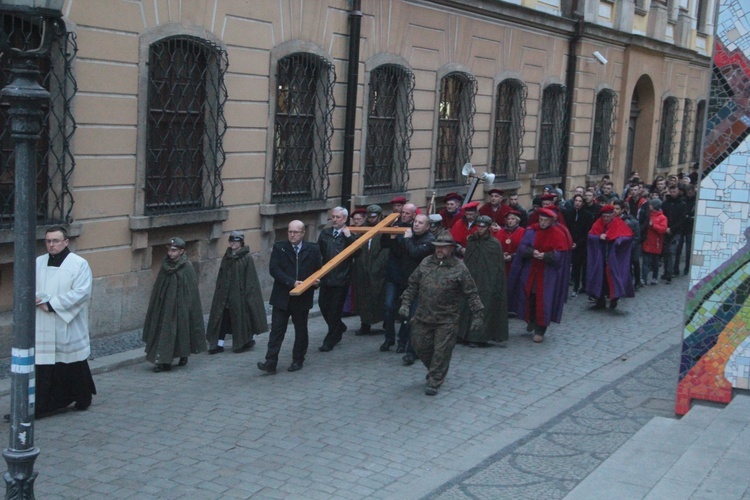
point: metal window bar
(186, 125)
(667, 132)
(389, 129)
(455, 127)
(303, 128)
(687, 116)
(510, 112)
(55, 161)
(602, 143)
(551, 131)
(698, 130)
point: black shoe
(294, 367)
(363, 330)
(81, 406)
(246, 347)
(408, 359)
(265, 367)
(430, 391)
(386, 346)
(599, 305)
(325, 348)
(401, 349)
(6, 417)
(472, 344)
(182, 362)
(162, 367)
(613, 303)
(669, 281)
(216, 350)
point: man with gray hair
(334, 285)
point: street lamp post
(26, 98)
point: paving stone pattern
(354, 423)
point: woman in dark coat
(237, 306)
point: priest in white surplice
(63, 292)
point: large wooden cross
(368, 233)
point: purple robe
(612, 258)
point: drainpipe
(570, 81)
(355, 22)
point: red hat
(474, 205)
(454, 196)
(549, 196)
(360, 211)
(607, 209)
(398, 199)
(514, 212)
(495, 191)
(546, 212)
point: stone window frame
(464, 123)
(142, 223)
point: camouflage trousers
(433, 343)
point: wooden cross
(368, 233)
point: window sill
(269, 212)
(543, 181)
(149, 222)
(379, 199)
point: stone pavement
(354, 423)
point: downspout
(570, 82)
(355, 22)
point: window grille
(551, 131)
(389, 129)
(510, 111)
(698, 131)
(186, 125)
(687, 116)
(455, 127)
(303, 128)
(667, 132)
(54, 159)
(602, 142)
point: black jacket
(286, 268)
(676, 212)
(330, 247)
(579, 224)
(405, 256)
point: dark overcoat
(286, 268)
(238, 292)
(368, 280)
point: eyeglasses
(54, 242)
(294, 232)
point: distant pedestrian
(440, 282)
(237, 307)
(292, 262)
(174, 322)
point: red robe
(509, 241)
(497, 216)
(610, 259)
(461, 231)
(449, 219)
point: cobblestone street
(522, 420)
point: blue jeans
(650, 262)
(392, 293)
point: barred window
(303, 128)
(54, 159)
(687, 117)
(604, 132)
(389, 129)
(667, 132)
(698, 131)
(510, 111)
(701, 15)
(186, 126)
(552, 130)
(455, 126)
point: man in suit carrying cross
(291, 263)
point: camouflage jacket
(439, 286)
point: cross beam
(345, 253)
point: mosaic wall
(716, 344)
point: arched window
(455, 126)
(687, 117)
(54, 158)
(604, 131)
(389, 130)
(186, 126)
(551, 130)
(510, 111)
(667, 132)
(303, 127)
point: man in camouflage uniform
(439, 282)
